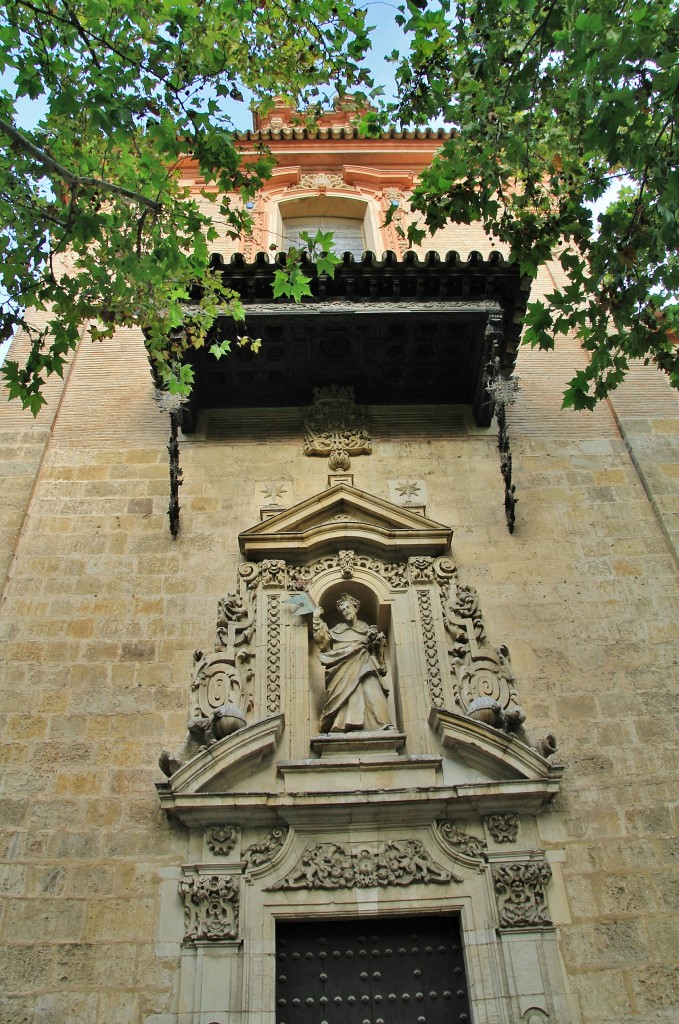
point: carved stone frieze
(334, 426)
(262, 853)
(211, 907)
(221, 839)
(504, 828)
(461, 842)
(395, 573)
(520, 894)
(395, 863)
(431, 654)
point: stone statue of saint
(352, 654)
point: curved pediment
(345, 517)
(497, 754)
(216, 768)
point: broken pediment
(345, 517)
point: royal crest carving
(520, 894)
(222, 696)
(221, 839)
(461, 842)
(334, 426)
(504, 828)
(211, 907)
(483, 681)
(262, 853)
(395, 863)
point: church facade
(347, 749)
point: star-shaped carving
(408, 489)
(273, 492)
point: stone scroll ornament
(334, 426)
(520, 894)
(211, 907)
(262, 853)
(483, 680)
(396, 863)
(462, 842)
(222, 699)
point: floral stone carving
(504, 828)
(520, 894)
(334, 426)
(332, 866)
(221, 839)
(211, 906)
(461, 842)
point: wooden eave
(410, 331)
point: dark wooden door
(385, 971)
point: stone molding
(520, 894)
(333, 866)
(211, 907)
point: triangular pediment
(345, 517)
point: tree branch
(74, 179)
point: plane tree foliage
(552, 102)
(95, 226)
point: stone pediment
(345, 517)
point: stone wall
(102, 610)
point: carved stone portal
(334, 426)
(331, 866)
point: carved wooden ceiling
(400, 332)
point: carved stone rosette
(504, 828)
(461, 842)
(211, 907)
(334, 426)
(221, 839)
(520, 894)
(332, 866)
